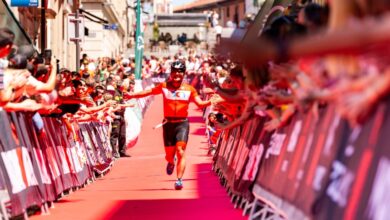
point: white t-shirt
(218, 29)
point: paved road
(138, 188)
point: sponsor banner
(357, 187)
(317, 163)
(54, 133)
(17, 166)
(41, 170)
(249, 157)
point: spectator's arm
(6, 95)
(70, 100)
(91, 110)
(50, 84)
(26, 105)
(230, 95)
(350, 39)
(240, 120)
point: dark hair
(27, 50)
(237, 72)
(41, 70)
(283, 27)
(18, 61)
(6, 37)
(316, 14)
(109, 80)
(258, 77)
(77, 83)
(210, 122)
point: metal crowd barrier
(316, 167)
(40, 165)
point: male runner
(177, 97)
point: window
(228, 11)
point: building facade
(55, 31)
(109, 35)
(228, 11)
(107, 32)
(162, 7)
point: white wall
(250, 8)
(103, 42)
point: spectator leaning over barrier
(26, 86)
(6, 42)
(177, 96)
(362, 37)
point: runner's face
(177, 77)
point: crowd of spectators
(305, 60)
(34, 84)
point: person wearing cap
(177, 97)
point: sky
(180, 2)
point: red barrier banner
(99, 152)
(17, 166)
(297, 162)
(49, 151)
(358, 183)
(29, 136)
(246, 159)
(226, 149)
(53, 127)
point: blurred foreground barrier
(38, 166)
(316, 167)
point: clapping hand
(215, 99)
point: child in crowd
(212, 132)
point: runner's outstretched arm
(200, 103)
(137, 95)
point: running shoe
(179, 184)
(170, 168)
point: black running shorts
(176, 131)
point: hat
(125, 61)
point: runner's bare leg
(181, 159)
